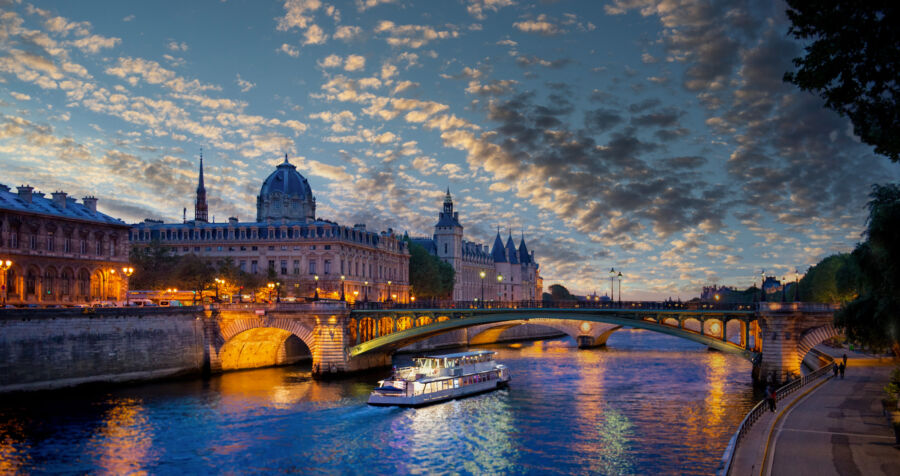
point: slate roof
(426, 243)
(286, 180)
(46, 206)
(498, 251)
(524, 258)
(511, 250)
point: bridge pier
(782, 326)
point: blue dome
(286, 181)
(285, 195)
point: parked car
(170, 303)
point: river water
(645, 404)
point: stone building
(304, 252)
(510, 273)
(62, 252)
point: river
(645, 404)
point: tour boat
(441, 377)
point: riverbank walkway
(835, 427)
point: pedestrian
(842, 370)
(834, 368)
(845, 359)
(770, 397)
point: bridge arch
(813, 337)
(253, 343)
(558, 320)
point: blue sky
(653, 136)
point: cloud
(363, 5)
(297, 14)
(94, 43)
(411, 36)
(244, 84)
(330, 61)
(314, 36)
(176, 46)
(347, 33)
(542, 26)
(20, 96)
(476, 8)
(354, 63)
(289, 50)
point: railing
(618, 305)
(761, 408)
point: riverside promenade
(835, 427)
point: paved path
(838, 429)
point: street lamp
(342, 287)
(620, 287)
(316, 295)
(278, 292)
(612, 277)
(784, 289)
(4, 266)
(796, 285)
(271, 287)
(219, 281)
(499, 286)
(127, 271)
(482, 274)
(762, 286)
(366, 296)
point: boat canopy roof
(458, 355)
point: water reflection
(13, 449)
(123, 444)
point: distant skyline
(655, 137)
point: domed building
(288, 244)
(285, 195)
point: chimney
(232, 220)
(25, 192)
(59, 199)
(90, 202)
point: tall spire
(201, 210)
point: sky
(655, 137)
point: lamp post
(127, 271)
(612, 290)
(271, 287)
(316, 294)
(499, 286)
(366, 296)
(342, 287)
(278, 292)
(355, 296)
(389, 292)
(218, 282)
(762, 286)
(619, 276)
(482, 274)
(784, 289)
(4, 266)
(796, 285)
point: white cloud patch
(176, 46)
(347, 33)
(289, 50)
(244, 84)
(412, 36)
(354, 63)
(476, 8)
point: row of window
(50, 244)
(353, 269)
(254, 233)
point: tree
(558, 292)
(194, 273)
(153, 266)
(428, 275)
(832, 280)
(853, 62)
(873, 318)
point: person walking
(770, 397)
(835, 367)
(845, 360)
(841, 370)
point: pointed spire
(498, 251)
(201, 210)
(200, 185)
(285, 159)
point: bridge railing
(761, 408)
(619, 305)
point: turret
(201, 210)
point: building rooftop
(26, 200)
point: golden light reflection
(715, 400)
(123, 443)
(13, 455)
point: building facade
(62, 252)
(303, 252)
(505, 273)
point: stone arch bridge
(338, 339)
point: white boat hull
(421, 399)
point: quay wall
(55, 348)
